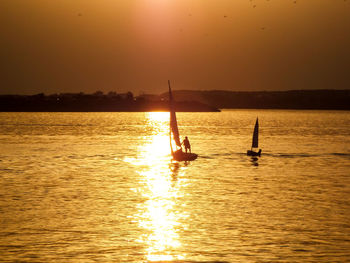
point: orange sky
(137, 45)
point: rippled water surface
(101, 187)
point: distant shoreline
(287, 100)
(186, 101)
(94, 103)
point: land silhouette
(96, 102)
(186, 101)
(293, 99)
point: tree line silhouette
(96, 102)
(292, 99)
(186, 100)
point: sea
(102, 187)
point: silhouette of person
(187, 144)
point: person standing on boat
(187, 144)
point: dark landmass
(97, 102)
(186, 101)
(294, 99)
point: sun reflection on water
(158, 216)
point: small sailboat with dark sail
(174, 135)
(255, 142)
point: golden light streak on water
(159, 217)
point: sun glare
(159, 146)
(160, 117)
(158, 216)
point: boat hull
(252, 153)
(182, 156)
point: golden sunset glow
(231, 45)
(174, 131)
(159, 147)
(158, 215)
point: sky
(137, 45)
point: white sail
(255, 141)
(173, 122)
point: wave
(224, 155)
(46, 125)
(188, 261)
(295, 155)
(232, 155)
(307, 155)
(341, 154)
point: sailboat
(177, 153)
(255, 141)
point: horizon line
(192, 90)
